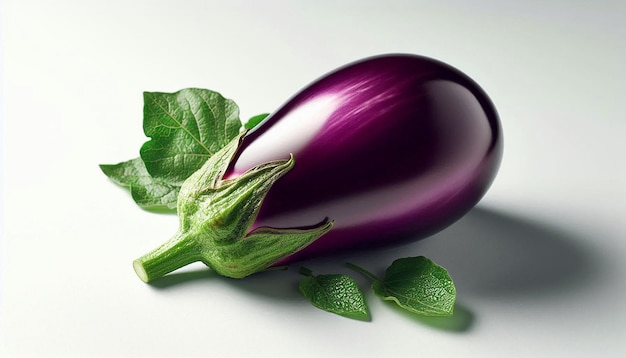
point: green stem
(179, 251)
(362, 270)
(305, 271)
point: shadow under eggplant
(489, 254)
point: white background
(539, 264)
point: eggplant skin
(392, 148)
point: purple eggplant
(390, 148)
(384, 150)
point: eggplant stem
(362, 271)
(305, 271)
(179, 251)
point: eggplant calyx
(215, 220)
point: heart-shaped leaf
(419, 285)
(336, 293)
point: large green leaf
(186, 128)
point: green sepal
(217, 215)
(263, 247)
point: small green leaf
(148, 192)
(418, 285)
(254, 121)
(186, 128)
(337, 293)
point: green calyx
(215, 219)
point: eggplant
(382, 151)
(391, 148)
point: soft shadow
(279, 284)
(180, 278)
(492, 254)
(489, 254)
(461, 321)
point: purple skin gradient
(391, 148)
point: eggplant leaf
(336, 293)
(148, 192)
(418, 285)
(254, 121)
(186, 128)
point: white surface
(539, 265)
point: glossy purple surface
(392, 148)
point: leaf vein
(181, 126)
